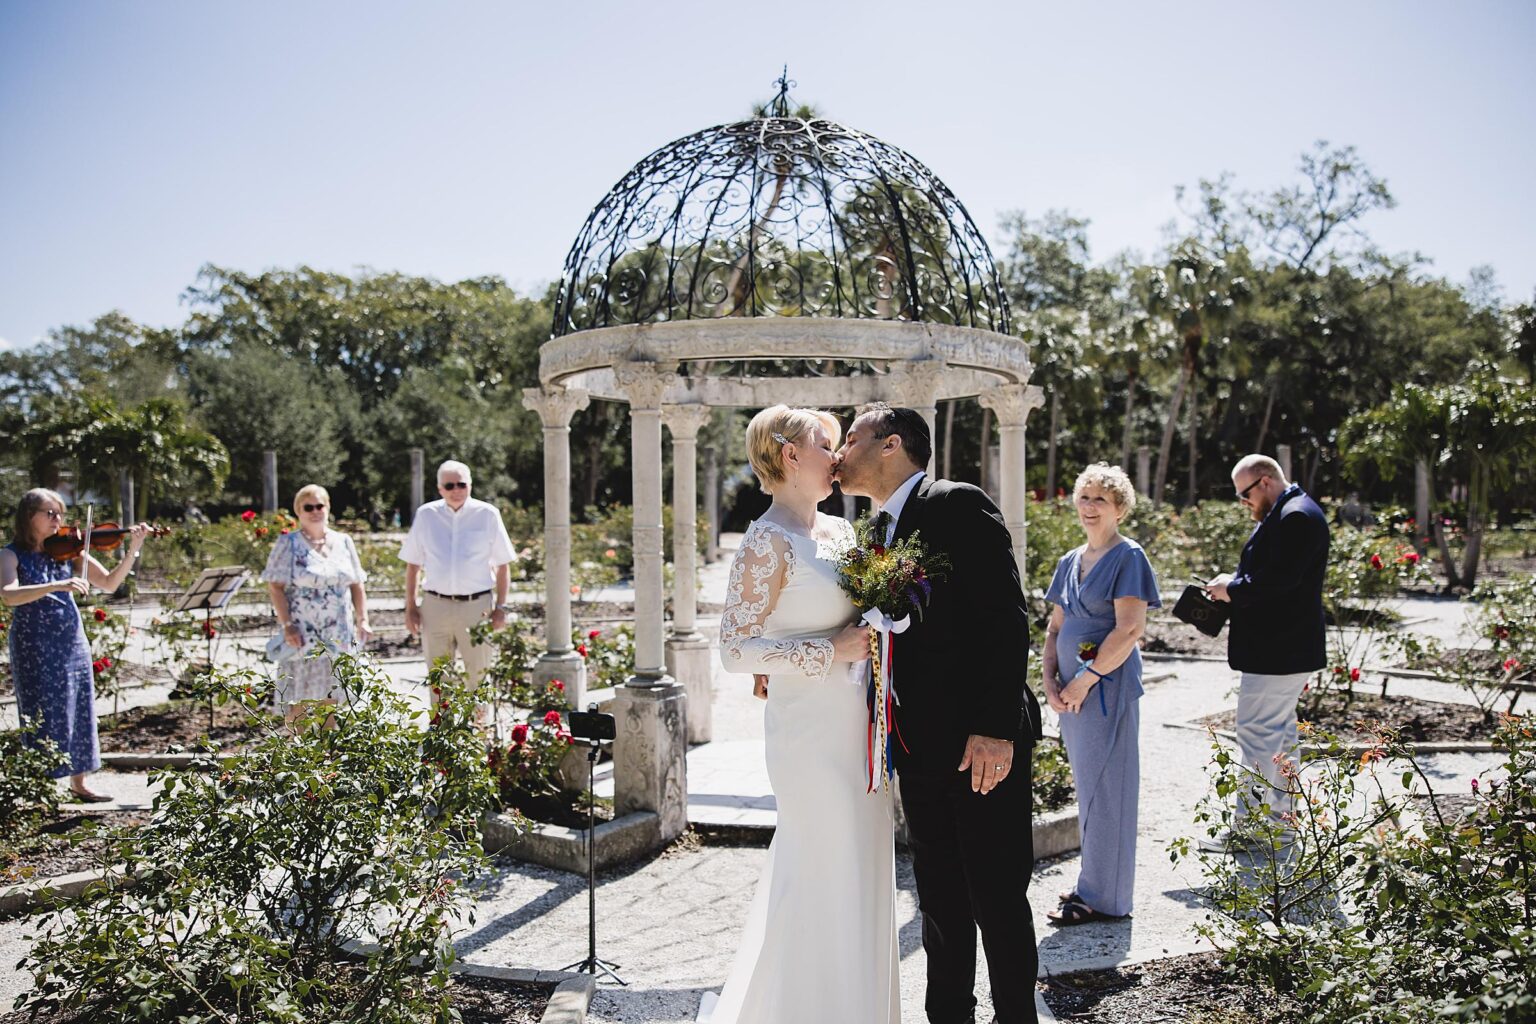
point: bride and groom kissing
(820, 942)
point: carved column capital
(685, 421)
(645, 383)
(916, 382)
(1012, 403)
(555, 405)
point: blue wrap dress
(1102, 739)
(51, 665)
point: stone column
(1012, 404)
(269, 481)
(419, 475)
(556, 406)
(688, 651)
(1421, 530)
(712, 501)
(1144, 471)
(1283, 456)
(916, 384)
(650, 770)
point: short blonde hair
(1107, 478)
(776, 426)
(311, 491)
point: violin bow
(85, 549)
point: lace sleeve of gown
(763, 563)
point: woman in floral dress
(316, 583)
(50, 656)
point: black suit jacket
(962, 669)
(1277, 625)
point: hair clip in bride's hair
(780, 438)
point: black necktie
(882, 526)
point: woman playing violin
(50, 657)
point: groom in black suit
(967, 722)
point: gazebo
(778, 259)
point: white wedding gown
(820, 939)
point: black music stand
(592, 728)
(211, 591)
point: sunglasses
(455, 485)
(52, 513)
(313, 508)
(1242, 495)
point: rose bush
(313, 877)
(1370, 900)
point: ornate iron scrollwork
(779, 216)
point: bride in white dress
(820, 939)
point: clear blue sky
(141, 140)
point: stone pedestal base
(650, 772)
(689, 661)
(571, 669)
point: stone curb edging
(633, 835)
(1456, 747)
(24, 896)
(556, 846)
(133, 761)
(1101, 963)
(568, 1003)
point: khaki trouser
(445, 626)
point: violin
(68, 543)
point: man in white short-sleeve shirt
(459, 551)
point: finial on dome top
(780, 106)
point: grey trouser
(1266, 728)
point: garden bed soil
(1489, 664)
(478, 1001)
(1452, 806)
(51, 853)
(157, 728)
(1167, 635)
(1194, 987)
(565, 809)
(1416, 721)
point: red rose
(101, 614)
(520, 734)
(261, 531)
(247, 515)
(594, 634)
(1376, 562)
(557, 685)
(1338, 670)
(284, 531)
(552, 718)
(879, 549)
(581, 649)
(1501, 632)
(1412, 558)
(1510, 664)
(1354, 675)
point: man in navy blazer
(1276, 635)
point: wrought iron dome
(779, 216)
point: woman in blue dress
(1092, 664)
(315, 580)
(50, 657)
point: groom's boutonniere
(888, 583)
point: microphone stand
(593, 965)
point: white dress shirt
(898, 501)
(458, 551)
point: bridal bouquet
(896, 579)
(889, 583)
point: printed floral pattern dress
(51, 665)
(318, 586)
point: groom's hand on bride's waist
(989, 761)
(760, 686)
